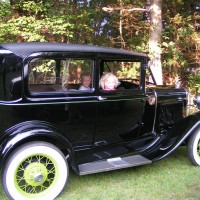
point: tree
(155, 35)
(122, 10)
(181, 42)
(125, 24)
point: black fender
(177, 136)
(30, 131)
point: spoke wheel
(36, 170)
(193, 148)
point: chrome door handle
(180, 99)
(100, 98)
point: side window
(60, 75)
(120, 75)
(76, 74)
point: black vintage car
(48, 124)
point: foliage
(181, 42)
(129, 70)
(86, 22)
(72, 21)
(194, 83)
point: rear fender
(38, 131)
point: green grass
(173, 178)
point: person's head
(86, 80)
(109, 81)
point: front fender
(29, 131)
(177, 136)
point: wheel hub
(38, 178)
(35, 174)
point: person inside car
(109, 81)
(85, 82)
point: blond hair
(105, 77)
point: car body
(47, 124)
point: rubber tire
(193, 148)
(48, 152)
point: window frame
(58, 95)
(62, 91)
(101, 71)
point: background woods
(124, 24)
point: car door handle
(180, 99)
(100, 98)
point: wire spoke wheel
(35, 174)
(35, 170)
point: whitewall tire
(36, 170)
(193, 148)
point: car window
(127, 73)
(60, 75)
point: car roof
(24, 49)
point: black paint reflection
(118, 121)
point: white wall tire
(36, 170)
(193, 148)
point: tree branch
(109, 9)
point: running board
(112, 164)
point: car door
(120, 111)
(54, 92)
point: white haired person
(109, 81)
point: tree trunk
(155, 35)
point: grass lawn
(173, 178)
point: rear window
(61, 75)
